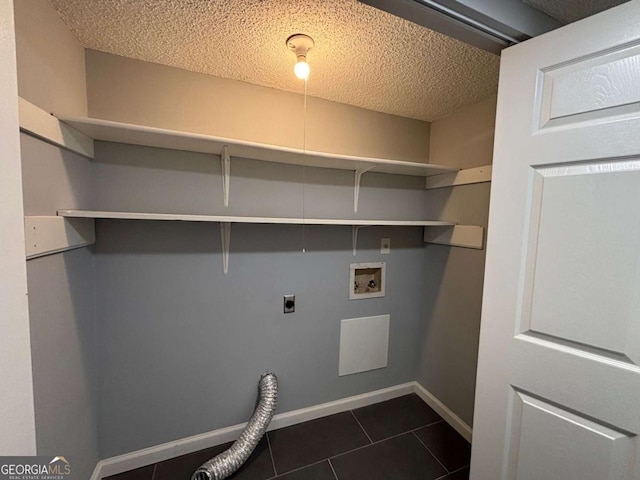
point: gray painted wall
(62, 317)
(64, 365)
(134, 178)
(454, 276)
(183, 345)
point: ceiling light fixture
(300, 45)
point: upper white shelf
(236, 219)
(193, 142)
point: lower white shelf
(447, 233)
(232, 219)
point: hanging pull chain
(304, 179)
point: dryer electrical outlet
(289, 303)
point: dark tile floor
(400, 439)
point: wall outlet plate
(385, 246)
(289, 303)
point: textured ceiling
(362, 57)
(568, 11)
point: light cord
(304, 179)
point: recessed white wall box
(364, 344)
(367, 280)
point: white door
(558, 394)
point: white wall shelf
(111, 131)
(238, 219)
(77, 134)
(226, 221)
(162, 138)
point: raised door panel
(603, 83)
(551, 443)
(582, 276)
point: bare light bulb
(300, 44)
(302, 69)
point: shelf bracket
(43, 125)
(356, 191)
(466, 236)
(225, 160)
(45, 235)
(466, 176)
(225, 235)
(354, 238)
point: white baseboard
(451, 418)
(96, 475)
(165, 451)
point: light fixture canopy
(300, 44)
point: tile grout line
(425, 426)
(358, 422)
(350, 451)
(384, 440)
(332, 469)
(432, 454)
(273, 462)
(365, 446)
(443, 477)
(299, 468)
(342, 453)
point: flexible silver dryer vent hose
(229, 461)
